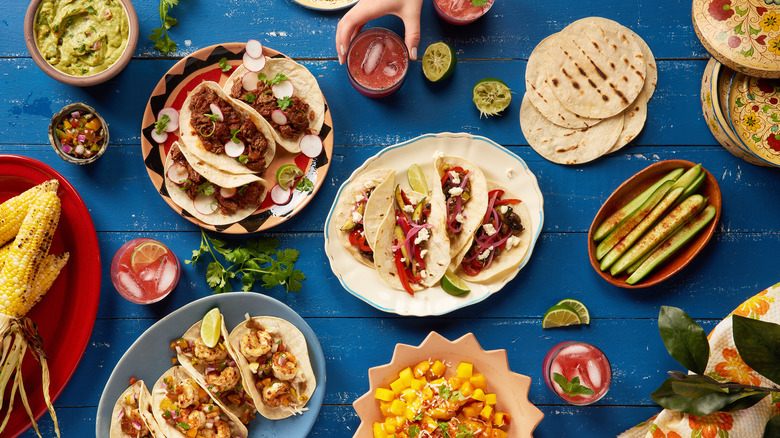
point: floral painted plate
(326, 5)
(754, 116)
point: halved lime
(210, 328)
(416, 179)
(578, 307)
(560, 315)
(287, 174)
(146, 254)
(453, 285)
(438, 62)
(491, 96)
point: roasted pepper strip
(399, 266)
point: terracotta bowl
(632, 188)
(55, 142)
(510, 388)
(81, 81)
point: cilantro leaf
(444, 428)
(250, 97)
(223, 65)
(162, 41)
(280, 77)
(162, 124)
(444, 391)
(283, 104)
(463, 432)
(304, 185)
(413, 431)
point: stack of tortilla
(587, 89)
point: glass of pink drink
(577, 362)
(377, 62)
(461, 11)
(144, 271)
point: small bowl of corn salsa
(78, 134)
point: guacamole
(81, 37)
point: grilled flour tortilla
(206, 136)
(274, 360)
(132, 416)
(306, 111)
(363, 205)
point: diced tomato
(354, 235)
(469, 270)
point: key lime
(146, 254)
(453, 285)
(438, 61)
(416, 179)
(560, 315)
(578, 307)
(287, 174)
(210, 328)
(491, 96)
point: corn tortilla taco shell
(135, 398)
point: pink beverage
(144, 271)
(377, 62)
(572, 359)
(461, 11)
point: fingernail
(341, 50)
(414, 53)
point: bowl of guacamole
(81, 42)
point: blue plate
(149, 357)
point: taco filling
(354, 225)
(130, 419)
(412, 232)
(191, 411)
(216, 127)
(456, 187)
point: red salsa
(81, 134)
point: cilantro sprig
(224, 66)
(304, 185)
(258, 260)
(162, 124)
(162, 41)
(571, 387)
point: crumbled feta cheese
(422, 236)
(358, 197)
(438, 154)
(485, 254)
(512, 241)
(403, 259)
(456, 191)
(503, 209)
(460, 218)
(489, 229)
(423, 273)
(356, 217)
(409, 208)
(423, 252)
(510, 172)
(455, 177)
(368, 184)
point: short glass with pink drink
(144, 270)
(377, 62)
(461, 11)
(577, 372)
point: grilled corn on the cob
(13, 211)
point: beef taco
(223, 133)
(184, 409)
(363, 205)
(210, 195)
(412, 248)
(263, 92)
(132, 416)
(502, 240)
(274, 359)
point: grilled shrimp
(224, 380)
(188, 395)
(195, 420)
(256, 343)
(276, 394)
(207, 354)
(132, 418)
(284, 365)
(222, 428)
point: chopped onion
(413, 232)
(217, 111)
(173, 115)
(136, 425)
(120, 414)
(66, 148)
(311, 145)
(249, 81)
(283, 89)
(279, 117)
(75, 114)
(254, 49)
(253, 64)
(233, 149)
(227, 192)
(178, 174)
(280, 196)
(81, 138)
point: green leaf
(696, 433)
(741, 12)
(753, 31)
(214, 272)
(746, 400)
(696, 395)
(758, 343)
(684, 339)
(306, 185)
(444, 429)
(267, 245)
(722, 433)
(738, 29)
(223, 65)
(294, 283)
(247, 281)
(766, 108)
(413, 431)
(238, 256)
(444, 392)
(479, 2)
(748, 54)
(284, 103)
(573, 387)
(772, 428)
(287, 256)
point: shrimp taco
(210, 195)
(287, 88)
(363, 205)
(184, 409)
(132, 416)
(275, 363)
(501, 242)
(224, 134)
(412, 248)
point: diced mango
(384, 407)
(379, 431)
(455, 382)
(390, 425)
(438, 413)
(421, 368)
(478, 394)
(406, 377)
(467, 389)
(479, 381)
(408, 395)
(465, 370)
(427, 393)
(397, 386)
(397, 407)
(418, 384)
(410, 413)
(384, 394)
(472, 410)
(486, 412)
(498, 433)
(501, 419)
(437, 382)
(438, 369)
(491, 399)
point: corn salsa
(422, 403)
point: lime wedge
(453, 285)
(491, 96)
(287, 174)
(146, 254)
(211, 327)
(559, 316)
(578, 307)
(416, 179)
(438, 62)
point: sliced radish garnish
(280, 196)
(254, 64)
(233, 149)
(249, 81)
(159, 138)
(173, 115)
(217, 111)
(279, 117)
(254, 49)
(283, 89)
(311, 145)
(227, 192)
(177, 173)
(205, 204)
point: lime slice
(578, 307)
(438, 62)
(491, 96)
(210, 328)
(287, 174)
(416, 179)
(560, 315)
(145, 254)
(453, 285)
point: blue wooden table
(740, 260)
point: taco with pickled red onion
(183, 409)
(224, 134)
(210, 195)
(412, 248)
(286, 87)
(362, 206)
(274, 359)
(502, 240)
(132, 416)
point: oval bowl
(628, 191)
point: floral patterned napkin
(725, 364)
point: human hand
(365, 10)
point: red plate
(66, 314)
